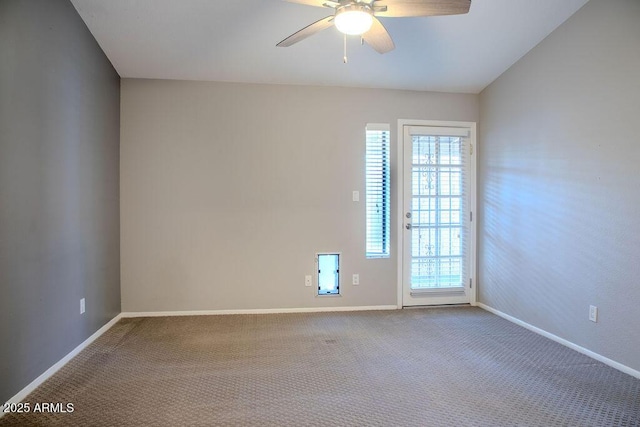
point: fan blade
(378, 37)
(318, 3)
(404, 8)
(307, 31)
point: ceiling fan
(360, 17)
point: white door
(437, 222)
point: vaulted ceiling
(235, 41)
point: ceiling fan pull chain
(345, 49)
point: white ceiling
(235, 41)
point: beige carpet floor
(418, 367)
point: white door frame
(400, 198)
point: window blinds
(378, 200)
(440, 221)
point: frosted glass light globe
(354, 21)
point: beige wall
(560, 183)
(228, 191)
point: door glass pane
(437, 244)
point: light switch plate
(356, 196)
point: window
(377, 191)
(328, 274)
(438, 207)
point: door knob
(408, 226)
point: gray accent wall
(59, 187)
(229, 190)
(559, 182)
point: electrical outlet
(593, 313)
(356, 196)
(82, 307)
(307, 281)
(355, 279)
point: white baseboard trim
(579, 349)
(256, 311)
(22, 394)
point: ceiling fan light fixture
(354, 19)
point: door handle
(408, 226)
